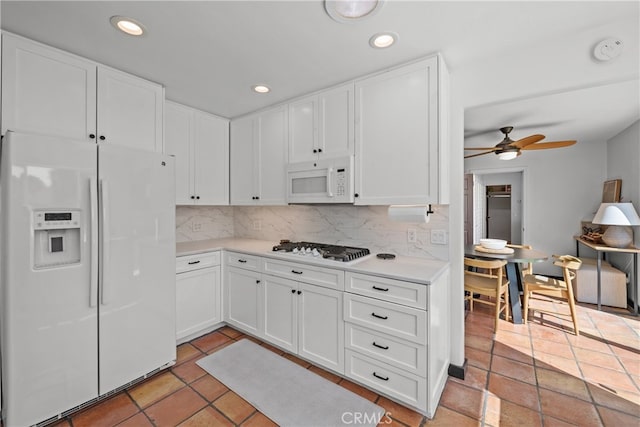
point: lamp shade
(616, 214)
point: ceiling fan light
(508, 155)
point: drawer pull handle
(380, 377)
(242, 260)
(296, 272)
(194, 262)
(380, 289)
(380, 346)
(379, 317)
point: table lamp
(619, 217)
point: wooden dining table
(519, 256)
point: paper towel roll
(408, 213)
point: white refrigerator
(87, 272)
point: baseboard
(458, 371)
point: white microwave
(321, 181)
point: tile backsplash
(365, 226)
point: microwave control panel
(341, 184)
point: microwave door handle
(329, 186)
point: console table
(601, 250)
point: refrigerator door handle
(104, 198)
(93, 286)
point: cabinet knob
(319, 150)
(257, 281)
(257, 197)
(193, 197)
(102, 137)
(92, 136)
(315, 151)
(356, 195)
(299, 292)
(198, 197)
(293, 291)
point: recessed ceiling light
(127, 25)
(383, 40)
(261, 89)
(351, 10)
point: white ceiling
(209, 53)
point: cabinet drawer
(394, 319)
(394, 382)
(403, 354)
(197, 261)
(325, 277)
(398, 291)
(248, 262)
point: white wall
(563, 186)
(623, 162)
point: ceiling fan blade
(553, 144)
(479, 154)
(481, 148)
(531, 139)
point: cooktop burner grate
(333, 252)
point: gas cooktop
(321, 250)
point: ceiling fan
(508, 149)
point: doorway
(498, 212)
(507, 217)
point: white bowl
(493, 243)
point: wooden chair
(537, 284)
(526, 268)
(487, 280)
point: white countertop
(419, 270)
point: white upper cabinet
(322, 125)
(399, 155)
(200, 143)
(129, 110)
(259, 157)
(48, 91)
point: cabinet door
(177, 126)
(129, 110)
(335, 127)
(280, 312)
(243, 162)
(47, 91)
(272, 145)
(243, 300)
(397, 136)
(210, 159)
(321, 328)
(197, 301)
(303, 130)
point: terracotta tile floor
(539, 374)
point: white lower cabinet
(389, 335)
(304, 319)
(243, 300)
(400, 350)
(197, 294)
(301, 318)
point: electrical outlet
(412, 235)
(196, 226)
(438, 237)
(257, 224)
